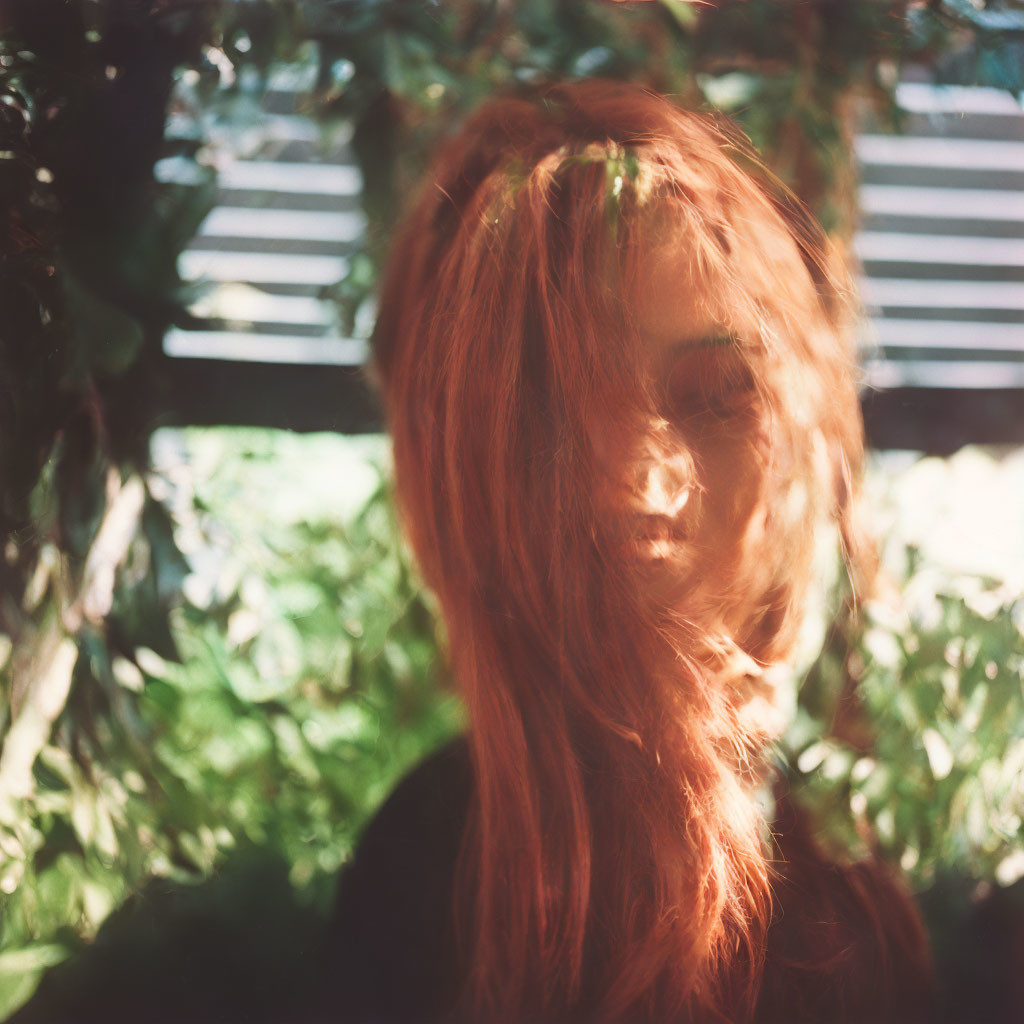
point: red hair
(615, 864)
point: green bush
(308, 680)
(910, 732)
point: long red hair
(615, 864)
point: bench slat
(265, 348)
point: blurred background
(215, 656)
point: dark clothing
(391, 945)
(239, 949)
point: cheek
(733, 459)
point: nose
(665, 486)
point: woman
(617, 372)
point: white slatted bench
(941, 247)
(942, 242)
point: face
(717, 414)
(724, 487)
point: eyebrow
(714, 341)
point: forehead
(668, 308)
(694, 284)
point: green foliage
(311, 671)
(309, 680)
(941, 690)
(88, 282)
(909, 738)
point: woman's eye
(733, 397)
(712, 380)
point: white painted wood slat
(262, 268)
(942, 203)
(930, 373)
(266, 348)
(946, 334)
(298, 225)
(243, 303)
(899, 247)
(924, 98)
(282, 176)
(919, 151)
(910, 293)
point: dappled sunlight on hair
(617, 370)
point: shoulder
(391, 946)
(423, 809)
(846, 942)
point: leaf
(684, 12)
(32, 958)
(20, 974)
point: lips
(660, 536)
